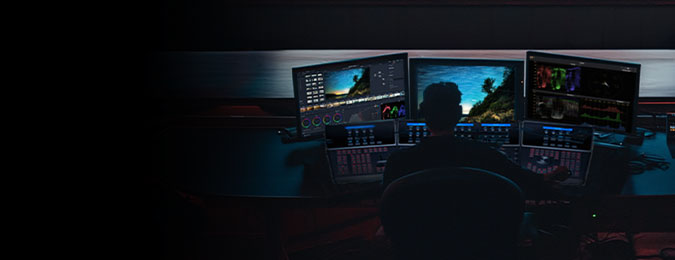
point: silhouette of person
(442, 111)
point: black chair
(452, 213)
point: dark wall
(215, 25)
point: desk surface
(253, 162)
(655, 181)
(239, 162)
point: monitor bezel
(518, 74)
(636, 97)
(296, 70)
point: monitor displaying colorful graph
(583, 91)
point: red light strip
(657, 103)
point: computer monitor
(491, 89)
(351, 91)
(583, 91)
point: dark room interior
(561, 147)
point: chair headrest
(468, 179)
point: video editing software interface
(582, 91)
(358, 152)
(492, 90)
(351, 91)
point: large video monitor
(492, 90)
(350, 91)
(583, 91)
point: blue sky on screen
(469, 79)
(339, 82)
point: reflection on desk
(238, 162)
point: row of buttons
(358, 161)
(351, 141)
(535, 169)
(553, 132)
(355, 158)
(364, 150)
(498, 129)
(351, 132)
(559, 139)
(554, 154)
(358, 169)
(567, 145)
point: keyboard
(545, 147)
(358, 152)
(360, 161)
(543, 161)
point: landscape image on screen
(487, 91)
(347, 83)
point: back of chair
(452, 213)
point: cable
(645, 162)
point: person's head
(440, 107)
